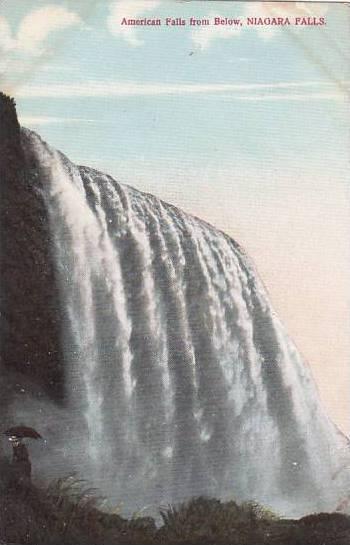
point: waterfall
(179, 378)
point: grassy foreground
(65, 514)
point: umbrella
(20, 432)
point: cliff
(29, 311)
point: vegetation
(65, 513)
(68, 513)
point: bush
(204, 519)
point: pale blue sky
(246, 124)
(248, 129)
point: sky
(245, 127)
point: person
(21, 465)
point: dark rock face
(29, 303)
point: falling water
(180, 379)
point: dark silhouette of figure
(20, 458)
(21, 468)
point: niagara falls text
(225, 21)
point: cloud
(35, 28)
(6, 41)
(282, 9)
(298, 97)
(113, 89)
(37, 25)
(130, 9)
(288, 9)
(37, 121)
(203, 36)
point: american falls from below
(179, 378)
